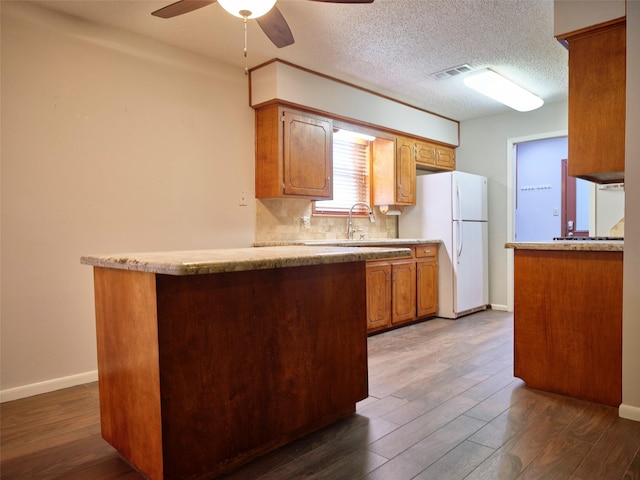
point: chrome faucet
(350, 229)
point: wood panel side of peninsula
(199, 373)
(568, 322)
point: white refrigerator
(452, 207)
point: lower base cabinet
(402, 290)
(427, 280)
(378, 295)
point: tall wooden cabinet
(294, 154)
(394, 174)
(597, 102)
(402, 290)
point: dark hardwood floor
(443, 405)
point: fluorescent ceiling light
(247, 8)
(495, 86)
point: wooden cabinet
(394, 173)
(187, 362)
(597, 102)
(432, 156)
(294, 154)
(568, 322)
(427, 280)
(378, 295)
(402, 290)
(405, 173)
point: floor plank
(443, 405)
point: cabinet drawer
(428, 250)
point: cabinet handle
(427, 251)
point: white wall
(110, 143)
(608, 203)
(483, 150)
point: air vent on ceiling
(452, 72)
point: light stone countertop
(198, 262)
(571, 245)
(344, 242)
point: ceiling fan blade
(180, 7)
(276, 28)
(344, 1)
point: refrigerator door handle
(459, 202)
(459, 226)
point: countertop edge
(374, 242)
(200, 262)
(569, 245)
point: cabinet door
(427, 287)
(426, 154)
(405, 173)
(308, 155)
(597, 79)
(435, 157)
(378, 295)
(403, 291)
(446, 157)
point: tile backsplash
(280, 219)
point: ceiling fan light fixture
(247, 8)
(503, 90)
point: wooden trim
(590, 30)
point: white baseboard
(630, 412)
(501, 308)
(47, 386)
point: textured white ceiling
(390, 46)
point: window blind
(350, 177)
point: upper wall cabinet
(294, 154)
(597, 85)
(431, 156)
(394, 173)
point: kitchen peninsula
(568, 318)
(207, 359)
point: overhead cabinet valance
(284, 82)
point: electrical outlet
(243, 199)
(306, 222)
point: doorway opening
(548, 203)
(512, 189)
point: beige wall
(631, 309)
(110, 142)
(572, 15)
(484, 150)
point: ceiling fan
(265, 12)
